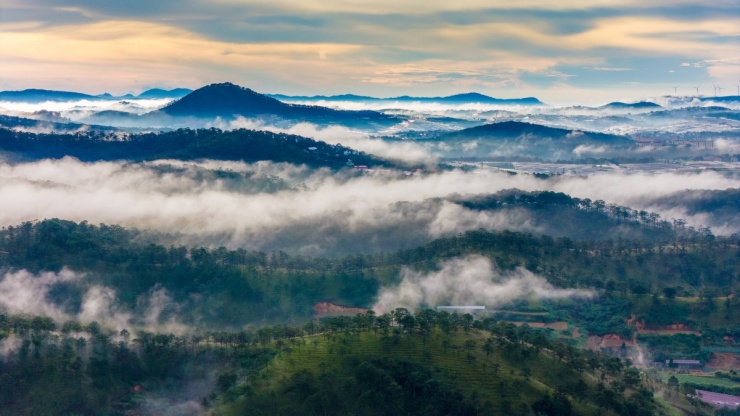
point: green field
(710, 381)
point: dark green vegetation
(436, 363)
(183, 144)
(560, 215)
(395, 363)
(236, 287)
(91, 370)
(419, 364)
(721, 207)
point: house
(684, 364)
(611, 344)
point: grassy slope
(476, 377)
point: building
(467, 309)
(684, 364)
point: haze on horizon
(569, 52)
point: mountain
(642, 105)
(723, 99)
(156, 93)
(109, 96)
(520, 141)
(228, 100)
(532, 132)
(113, 118)
(39, 96)
(341, 97)
(471, 97)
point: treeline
(258, 287)
(184, 144)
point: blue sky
(562, 52)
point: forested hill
(184, 144)
(398, 363)
(237, 287)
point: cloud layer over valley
(279, 206)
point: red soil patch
(558, 326)
(326, 308)
(724, 361)
(608, 341)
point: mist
(80, 109)
(472, 280)
(407, 151)
(313, 211)
(26, 293)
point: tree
(488, 347)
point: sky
(565, 51)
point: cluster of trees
(257, 287)
(89, 369)
(678, 346)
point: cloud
(355, 139)
(25, 293)
(81, 51)
(518, 48)
(319, 210)
(22, 293)
(584, 149)
(467, 281)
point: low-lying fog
(280, 206)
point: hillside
(184, 144)
(430, 363)
(438, 364)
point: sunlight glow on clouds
(382, 47)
